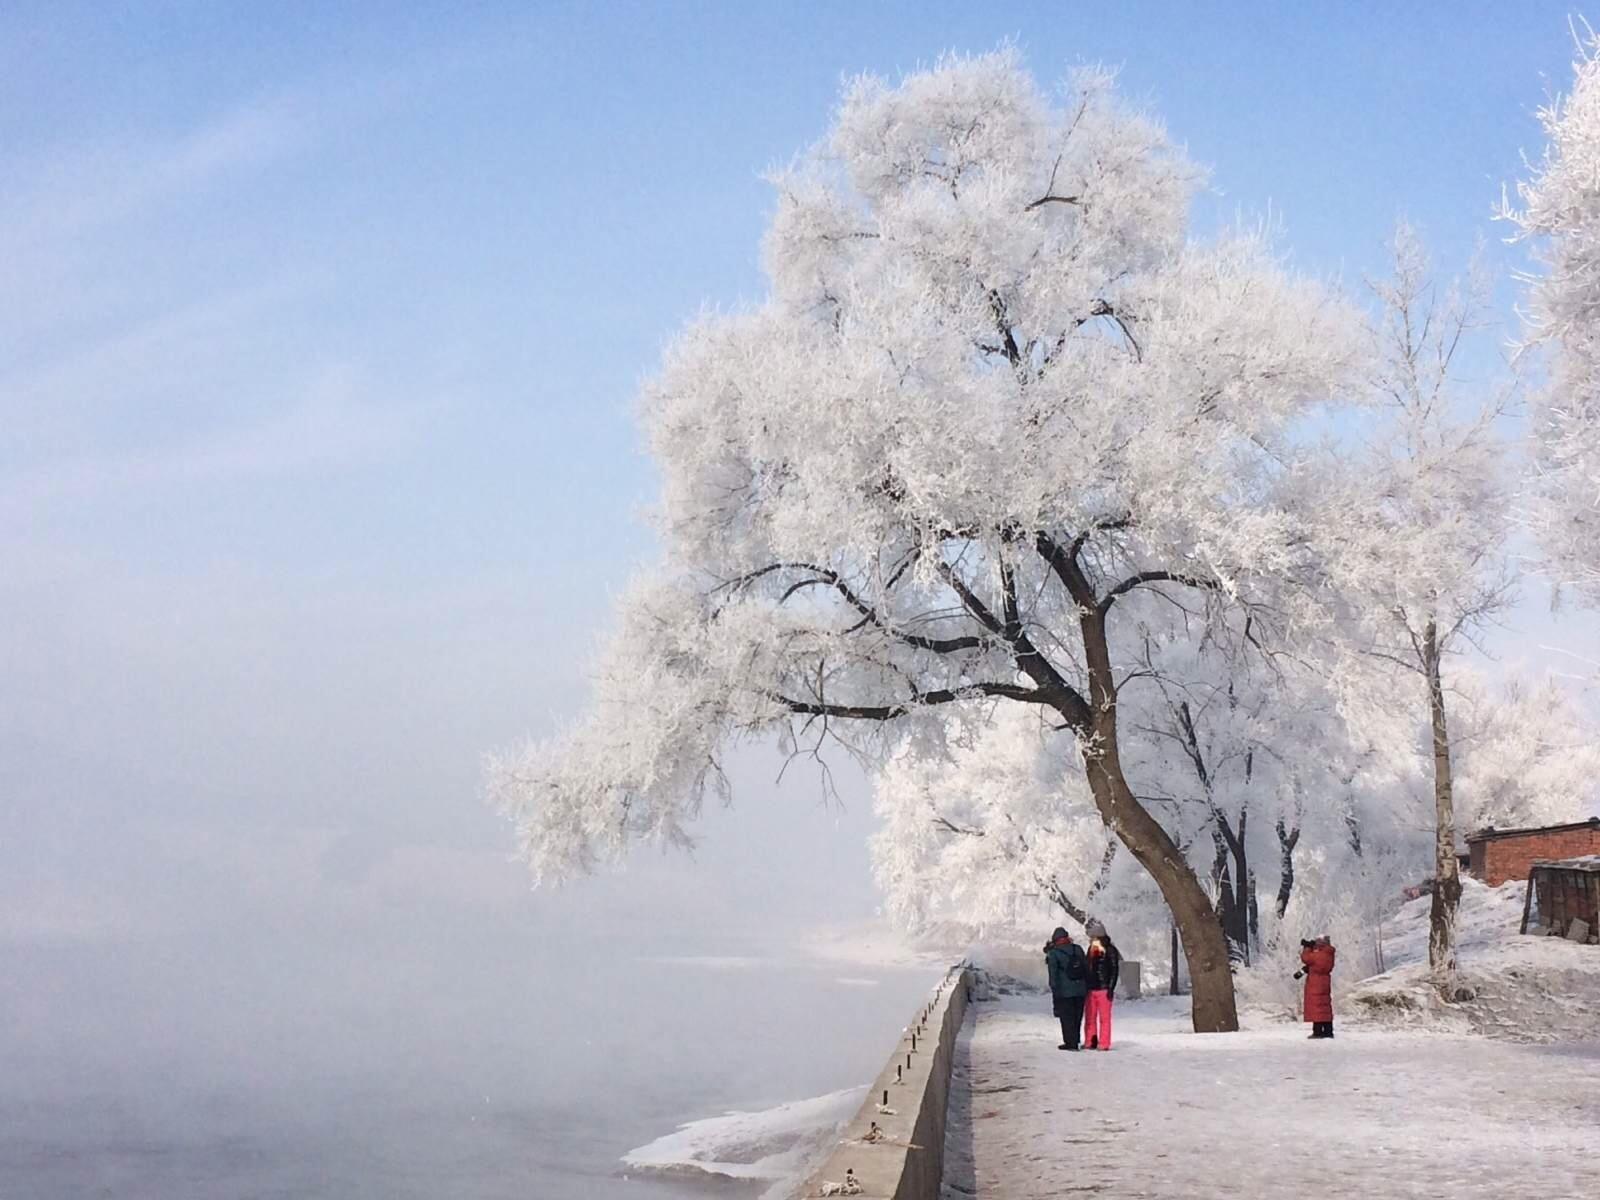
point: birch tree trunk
(1447, 870)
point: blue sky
(321, 330)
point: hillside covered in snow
(1519, 987)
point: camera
(1307, 943)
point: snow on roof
(1586, 862)
(1490, 833)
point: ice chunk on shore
(776, 1146)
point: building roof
(1589, 862)
(1490, 833)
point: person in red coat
(1316, 959)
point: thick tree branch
(1067, 570)
(1094, 527)
(1147, 577)
(889, 712)
(826, 577)
(1075, 201)
(1030, 661)
(1003, 326)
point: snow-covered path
(1263, 1113)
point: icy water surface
(536, 1096)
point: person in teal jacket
(1069, 984)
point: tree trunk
(1205, 948)
(1247, 875)
(1213, 1007)
(1447, 870)
(1287, 841)
(1255, 914)
(1231, 875)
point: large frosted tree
(995, 395)
(1559, 214)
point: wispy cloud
(77, 190)
(136, 354)
(331, 423)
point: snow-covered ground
(1263, 1113)
(1522, 988)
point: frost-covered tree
(1231, 755)
(1530, 754)
(1439, 495)
(995, 396)
(1560, 214)
(1003, 820)
(1227, 760)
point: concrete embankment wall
(908, 1164)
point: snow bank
(1521, 988)
(775, 1146)
(1487, 916)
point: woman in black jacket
(1105, 965)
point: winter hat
(1094, 929)
(1060, 934)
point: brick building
(1497, 855)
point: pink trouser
(1097, 1020)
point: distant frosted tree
(1007, 817)
(995, 397)
(1439, 493)
(1229, 761)
(1530, 754)
(1560, 214)
(1233, 755)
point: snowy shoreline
(772, 1147)
(1525, 989)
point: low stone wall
(908, 1163)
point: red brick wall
(1510, 857)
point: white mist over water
(601, 1056)
(198, 1007)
